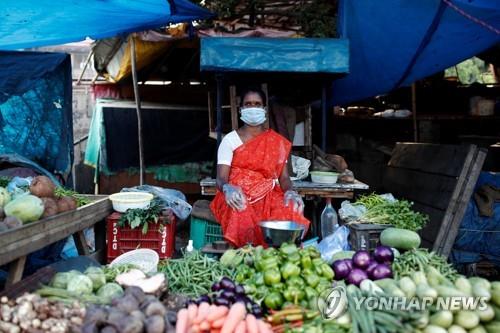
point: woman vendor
(253, 184)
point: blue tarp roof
(31, 23)
(396, 42)
(299, 55)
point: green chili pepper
(273, 301)
(272, 276)
(289, 270)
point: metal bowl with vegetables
(278, 232)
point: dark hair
(253, 90)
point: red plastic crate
(160, 237)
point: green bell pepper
(266, 264)
(269, 253)
(294, 258)
(273, 301)
(327, 271)
(308, 271)
(240, 277)
(313, 303)
(272, 276)
(322, 287)
(288, 249)
(295, 281)
(310, 292)
(279, 286)
(317, 262)
(312, 280)
(306, 262)
(259, 278)
(250, 289)
(294, 294)
(289, 270)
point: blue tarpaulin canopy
(294, 55)
(31, 23)
(396, 42)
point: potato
(50, 207)
(42, 186)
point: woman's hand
(295, 198)
(234, 197)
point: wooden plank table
(16, 244)
(309, 190)
(305, 188)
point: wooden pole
(414, 111)
(218, 79)
(323, 118)
(85, 67)
(138, 109)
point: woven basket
(146, 260)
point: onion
(361, 259)
(383, 254)
(382, 271)
(341, 269)
(356, 276)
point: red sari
(255, 167)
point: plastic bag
(336, 242)
(349, 212)
(19, 186)
(300, 167)
(173, 199)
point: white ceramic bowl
(130, 200)
(324, 177)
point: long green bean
(193, 274)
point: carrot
(218, 313)
(203, 310)
(182, 321)
(195, 329)
(205, 325)
(236, 315)
(219, 322)
(263, 327)
(241, 328)
(252, 324)
(215, 330)
(192, 312)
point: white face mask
(253, 116)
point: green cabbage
(4, 197)
(110, 291)
(61, 280)
(97, 276)
(80, 284)
(27, 208)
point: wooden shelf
(420, 117)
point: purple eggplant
(382, 271)
(240, 290)
(216, 287)
(229, 295)
(371, 267)
(204, 298)
(349, 263)
(227, 284)
(341, 269)
(361, 259)
(222, 301)
(356, 276)
(383, 254)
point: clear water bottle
(329, 219)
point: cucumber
(475, 280)
(464, 285)
(400, 238)
(479, 290)
(445, 291)
(434, 329)
(384, 283)
(456, 329)
(478, 329)
(419, 278)
(442, 319)
(424, 290)
(408, 286)
(495, 296)
(467, 319)
(493, 327)
(487, 314)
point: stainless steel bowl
(278, 232)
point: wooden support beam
(16, 270)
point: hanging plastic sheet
(396, 42)
(35, 109)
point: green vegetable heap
(285, 276)
(398, 213)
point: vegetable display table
(16, 244)
(306, 189)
